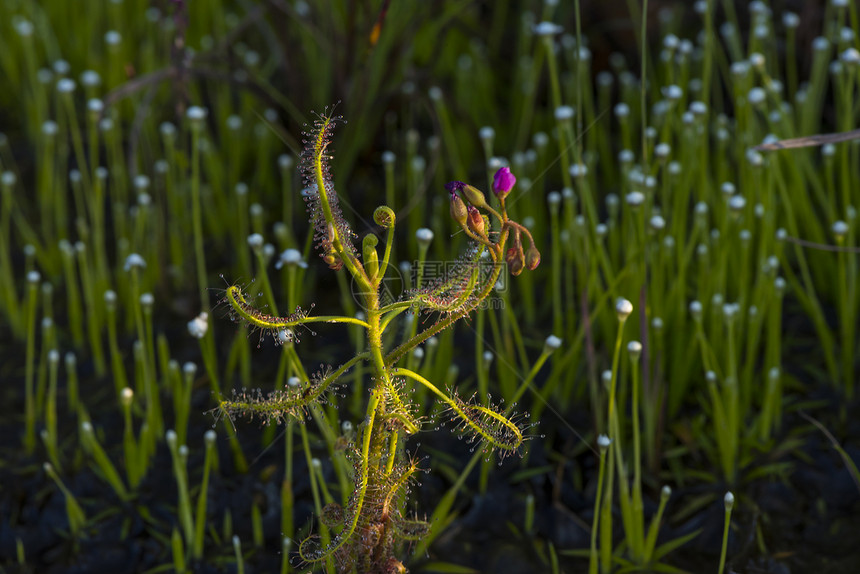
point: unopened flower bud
(514, 260)
(474, 196)
(532, 257)
(458, 209)
(623, 308)
(476, 221)
(503, 182)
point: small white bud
(563, 113)
(424, 236)
(551, 344)
(635, 198)
(291, 257)
(623, 308)
(546, 29)
(198, 326)
(134, 261)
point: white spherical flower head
(757, 60)
(496, 163)
(127, 396)
(551, 344)
(839, 229)
(255, 241)
(189, 368)
(553, 198)
(294, 382)
(196, 113)
(546, 29)
(112, 38)
(210, 436)
(285, 162)
(66, 86)
(487, 133)
(729, 500)
(424, 236)
(662, 150)
(790, 20)
(388, 157)
(672, 93)
(737, 203)
(603, 442)
(757, 96)
(657, 222)
(670, 41)
(698, 108)
(634, 348)
(740, 69)
(147, 300)
(418, 353)
(285, 336)
(623, 308)
(563, 113)
(696, 310)
(291, 257)
(635, 198)
(728, 188)
(234, 123)
(134, 261)
(50, 128)
(435, 93)
(95, 105)
(578, 170)
(621, 110)
(198, 326)
(24, 28)
(850, 56)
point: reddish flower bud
(532, 257)
(514, 261)
(458, 209)
(476, 221)
(503, 182)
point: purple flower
(453, 186)
(503, 182)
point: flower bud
(458, 209)
(476, 221)
(503, 182)
(514, 261)
(532, 257)
(474, 196)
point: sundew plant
(371, 525)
